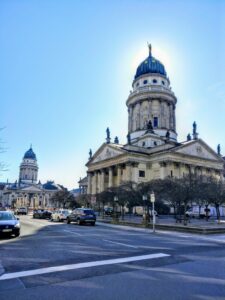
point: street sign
(152, 197)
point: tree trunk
(199, 211)
(185, 217)
(122, 212)
(218, 212)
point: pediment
(198, 148)
(31, 189)
(106, 152)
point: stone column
(98, 185)
(89, 183)
(174, 118)
(130, 117)
(128, 172)
(110, 183)
(134, 171)
(102, 186)
(138, 105)
(118, 175)
(192, 169)
(150, 109)
(163, 170)
(94, 183)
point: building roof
(150, 65)
(30, 154)
(50, 185)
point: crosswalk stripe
(81, 265)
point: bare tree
(63, 198)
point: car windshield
(65, 212)
(4, 216)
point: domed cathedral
(29, 167)
(27, 192)
(152, 150)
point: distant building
(75, 192)
(83, 185)
(152, 150)
(27, 191)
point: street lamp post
(115, 208)
(145, 215)
(152, 197)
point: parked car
(42, 214)
(82, 216)
(60, 215)
(21, 211)
(9, 224)
(194, 212)
(108, 211)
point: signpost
(152, 197)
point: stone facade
(152, 151)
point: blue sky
(66, 69)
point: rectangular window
(141, 173)
(155, 122)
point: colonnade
(164, 110)
(101, 179)
(113, 176)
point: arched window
(155, 122)
(154, 81)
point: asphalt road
(60, 261)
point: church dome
(29, 154)
(150, 65)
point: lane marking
(81, 266)
(72, 232)
(117, 243)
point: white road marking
(81, 266)
(131, 246)
(73, 232)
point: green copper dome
(150, 66)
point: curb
(187, 229)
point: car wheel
(93, 224)
(68, 221)
(79, 222)
(17, 234)
(58, 219)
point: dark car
(9, 224)
(42, 214)
(82, 216)
(108, 211)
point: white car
(60, 215)
(194, 212)
(21, 211)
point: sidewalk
(194, 225)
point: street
(59, 261)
